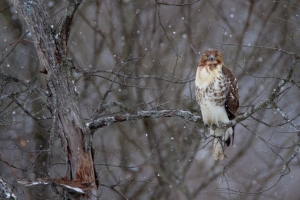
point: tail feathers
(228, 141)
(219, 142)
(229, 138)
(233, 134)
(218, 150)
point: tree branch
(175, 4)
(5, 191)
(28, 84)
(172, 80)
(68, 17)
(296, 56)
(102, 122)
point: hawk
(218, 97)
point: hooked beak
(212, 58)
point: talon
(214, 126)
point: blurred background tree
(131, 58)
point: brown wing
(232, 97)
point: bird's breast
(211, 87)
(205, 76)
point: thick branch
(62, 99)
(68, 17)
(175, 4)
(102, 122)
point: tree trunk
(51, 45)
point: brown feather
(232, 98)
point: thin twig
(16, 176)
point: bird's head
(211, 57)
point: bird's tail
(221, 138)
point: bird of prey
(218, 97)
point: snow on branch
(70, 185)
(102, 122)
(5, 191)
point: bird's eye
(207, 56)
(216, 55)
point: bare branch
(7, 7)
(102, 122)
(29, 85)
(68, 17)
(296, 56)
(164, 3)
(28, 113)
(14, 173)
(5, 191)
(173, 80)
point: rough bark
(51, 44)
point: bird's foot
(214, 126)
(206, 125)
